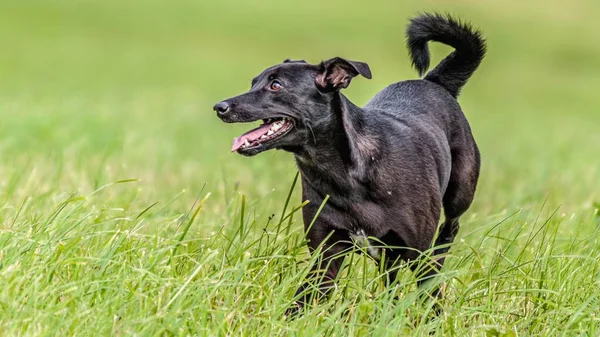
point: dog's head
(288, 99)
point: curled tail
(456, 69)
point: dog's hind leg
(458, 197)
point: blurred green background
(96, 92)
(92, 92)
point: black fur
(388, 167)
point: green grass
(123, 213)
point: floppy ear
(337, 72)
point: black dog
(389, 167)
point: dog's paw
(293, 311)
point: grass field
(123, 213)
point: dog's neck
(342, 148)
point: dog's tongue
(251, 136)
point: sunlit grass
(82, 270)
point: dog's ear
(293, 61)
(336, 73)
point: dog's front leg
(331, 245)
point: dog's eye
(275, 86)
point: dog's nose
(221, 107)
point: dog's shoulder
(414, 99)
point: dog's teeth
(270, 132)
(263, 137)
(246, 142)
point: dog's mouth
(270, 130)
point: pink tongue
(251, 136)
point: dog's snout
(221, 107)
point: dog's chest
(368, 216)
